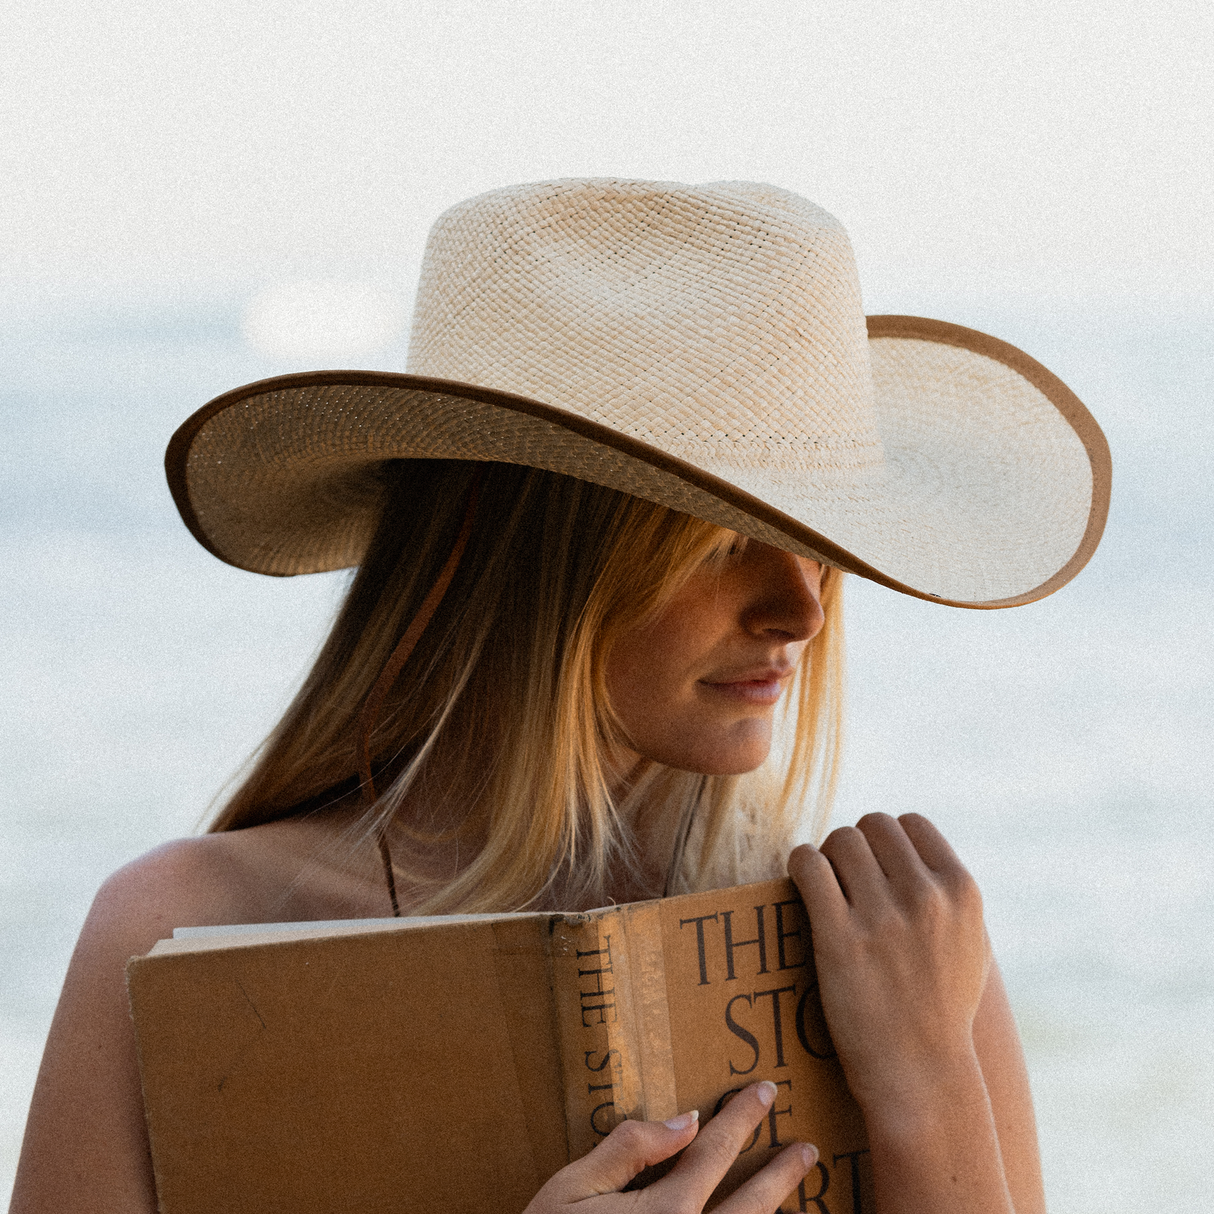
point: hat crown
(721, 323)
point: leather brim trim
(1086, 427)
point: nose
(787, 603)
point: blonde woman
(593, 653)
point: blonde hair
(501, 716)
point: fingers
(939, 863)
(931, 845)
(626, 1151)
(816, 879)
(767, 1189)
(882, 851)
(706, 1161)
(880, 872)
(860, 875)
(844, 873)
(893, 848)
(635, 1145)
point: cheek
(653, 681)
(643, 671)
(659, 664)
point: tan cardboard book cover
(456, 1064)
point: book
(455, 1063)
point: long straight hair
(500, 723)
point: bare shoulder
(282, 871)
(86, 1145)
(187, 881)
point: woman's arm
(86, 1144)
(920, 1020)
(997, 1043)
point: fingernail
(767, 1092)
(809, 1154)
(683, 1121)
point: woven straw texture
(701, 347)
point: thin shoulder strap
(368, 715)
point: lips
(753, 687)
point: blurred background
(195, 196)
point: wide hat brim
(993, 491)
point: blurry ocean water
(1066, 747)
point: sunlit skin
(696, 686)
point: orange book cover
(457, 1063)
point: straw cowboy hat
(702, 347)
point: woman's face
(696, 686)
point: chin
(719, 764)
(714, 752)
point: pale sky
(1015, 149)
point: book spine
(649, 1012)
(596, 1026)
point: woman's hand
(903, 962)
(900, 949)
(595, 1182)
